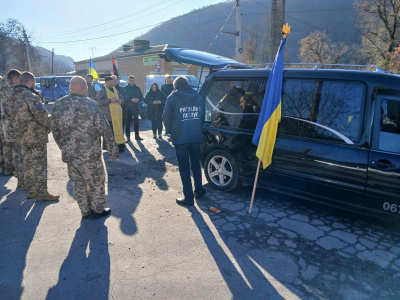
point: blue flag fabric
(270, 115)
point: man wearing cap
(106, 96)
(91, 92)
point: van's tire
(221, 170)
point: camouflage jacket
(78, 123)
(6, 88)
(30, 118)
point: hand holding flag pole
(270, 115)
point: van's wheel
(45, 100)
(221, 170)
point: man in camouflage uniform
(91, 91)
(7, 165)
(31, 126)
(78, 123)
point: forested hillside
(198, 29)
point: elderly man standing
(91, 91)
(78, 124)
(31, 127)
(124, 95)
(106, 97)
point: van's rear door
(203, 59)
(383, 183)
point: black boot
(183, 201)
(106, 212)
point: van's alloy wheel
(221, 170)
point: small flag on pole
(267, 126)
(270, 115)
(115, 70)
(92, 70)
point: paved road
(151, 248)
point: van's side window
(322, 109)
(45, 83)
(235, 103)
(389, 133)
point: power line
(302, 11)
(111, 35)
(222, 28)
(109, 22)
(154, 12)
(305, 23)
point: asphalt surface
(151, 248)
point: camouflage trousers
(6, 158)
(88, 181)
(18, 160)
(35, 169)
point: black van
(338, 140)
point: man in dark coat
(91, 91)
(183, 115)
(135, 96)
(168, 88)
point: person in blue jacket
(183, 117)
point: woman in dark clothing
(155, 100)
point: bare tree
(252, 44)
(378, 22)
(317, 47)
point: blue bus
(54, 87)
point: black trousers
(129, 115)
(156, 125)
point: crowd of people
(80, 121)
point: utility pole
(238, 49)
(92, 51)
(27, 50)
(277, 21)
(52, 61)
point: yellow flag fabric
(92, 70)
(116, 116)
(268, 137)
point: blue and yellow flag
(270, 115)
(92, 70)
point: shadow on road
(293, 249)
(19, 219)
(85, 273)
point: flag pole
(255, 185)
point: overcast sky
(53, 24)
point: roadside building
(139, 60)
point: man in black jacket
(168, 88)
(132, 108)
(183, 115)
